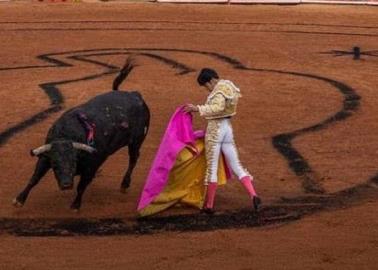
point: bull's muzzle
(66, 186)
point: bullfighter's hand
(190, 108)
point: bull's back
(114, 106)
(112, 113)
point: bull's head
(63, 159)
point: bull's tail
(147, 124)
(123, 73)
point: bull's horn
(40, 150)
(84, 147)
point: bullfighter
(218, 110)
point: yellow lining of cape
(186, 181)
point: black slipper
(256, 203)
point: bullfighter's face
(63, 159)
(211, 84)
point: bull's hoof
(123, 190)
(75, 207)
(75, 210)
(17, 203)
(256, 203)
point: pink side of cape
(178, 135)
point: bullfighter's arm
(216, 105)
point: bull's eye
(54, 166)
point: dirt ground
(307, 121)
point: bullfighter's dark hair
(123, 73)
(206, 75)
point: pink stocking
(247, 183)
(210, 195)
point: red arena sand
(306, 128)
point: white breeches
(219, 137)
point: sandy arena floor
(306, 128)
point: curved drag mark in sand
(139, 29)
(52, 91)
(338, 53)
(185, 29)
(281, 142)
(284, 211)
(189, 22)
(54, 94)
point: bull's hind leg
(133, 158)
(43, 165)
(85, 180)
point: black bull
(120, 119)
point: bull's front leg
(133, 158)
(43, 165)
(85, 180)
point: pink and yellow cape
(179, 167)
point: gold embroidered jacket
(221, 102)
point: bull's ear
(40, 150)
(84, 147)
